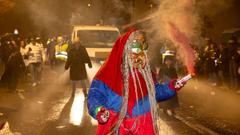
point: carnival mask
(139, 48)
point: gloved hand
(66, 67)
(90, 65)
(102, 115)
(175, 85)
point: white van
(98, 40)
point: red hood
(110, 73)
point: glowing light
(40, 102)
(89, 5)
(16, 32)
(76, 113)
(60, 127)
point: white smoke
(181, 22)
(187, 15)
(6, 5)
(182, 13)
(212, 7)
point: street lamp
(89, 3)
(16, 32)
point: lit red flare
(186, 52)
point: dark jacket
(167, 73)
(77, 57)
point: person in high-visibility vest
(61, 49)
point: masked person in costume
(124, 93)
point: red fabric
(110, 73)
(132, 94)
(172, 84)
(2, 125)
(144, 127)
(100, 114)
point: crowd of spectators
(23, 58)
(220, 63)
(217, 62)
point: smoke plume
(6, 5)
(48, 15)
(181, 22)
(213, 7)
(178, 21)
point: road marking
(20, 93)
(60, 127)
(39, 102)
(21, 96)
(164, 128)
(198, 127)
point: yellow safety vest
(61, 51)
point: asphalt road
(49, 109)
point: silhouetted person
(14, 66)
(223, 64)
(233, 62)
(77, 57)
(166, 74)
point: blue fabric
(163, 92)
(101, 95)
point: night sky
(54, 16)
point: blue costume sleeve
(96, 97)
(163, 92)
(101, 95)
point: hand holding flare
(178, 84)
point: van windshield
(98, 38)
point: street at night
(119, 67)
(51, 110)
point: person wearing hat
(167, 73)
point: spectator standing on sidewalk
(233, 61)
(14, 66)
(223, 64)
(213, 64)
(206, 58)
(25, 59)
(77, 57)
